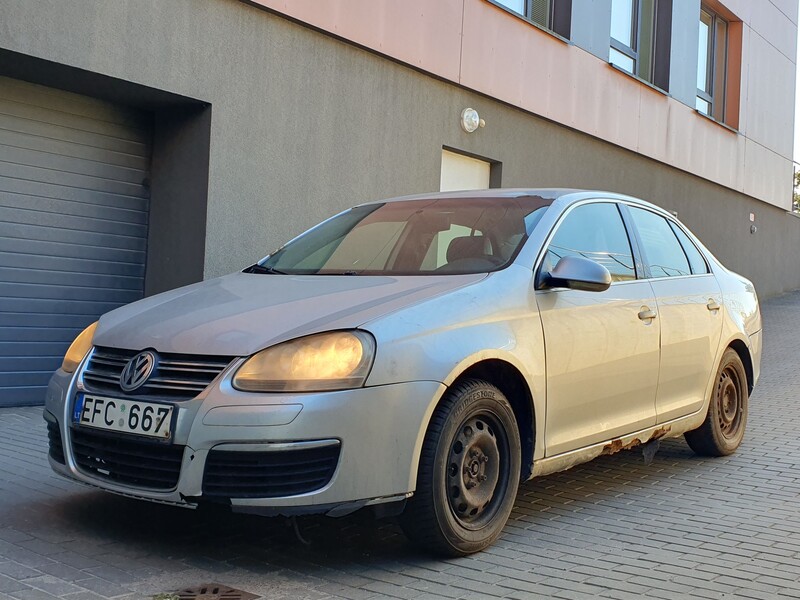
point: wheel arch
(509, 379)
(738, 346)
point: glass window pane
(695, 258)
(622, 21)
(703, 52)
(647, 41)
(720, 67)
(703, 106)
(380, 236)
(443, 243)
(532, 220)
(623, 61)
(596, 232)
(540, 12)
(518, 6)
(473, 235)
(664, 254)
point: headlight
(78, 349)
(326, 361)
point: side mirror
(577, 273)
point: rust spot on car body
(615, 446)
(659, 433)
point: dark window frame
(627, 226)
(661, 45)
(636, 29)
(676, 228)
(559, 16)
(715, 95)
(673, 225)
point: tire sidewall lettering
(471, 400)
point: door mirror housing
(578, 273)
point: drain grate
(207, 591)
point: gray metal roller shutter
(73, 225)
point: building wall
(486, 48)
(303, 125)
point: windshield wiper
(262, 270)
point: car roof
(547, 193)
(565, 196)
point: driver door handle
(646, 314)
(712, 305)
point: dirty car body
(598, 320)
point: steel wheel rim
(730, 407)
(477, 469)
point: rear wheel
(468, 474)
(723, 430)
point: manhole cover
(207, 591)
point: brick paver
(683, 527)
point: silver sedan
(423, 355)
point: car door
(688, 299)
(602, 348)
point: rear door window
(662, 252)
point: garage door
(73, 225)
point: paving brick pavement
(683, 527)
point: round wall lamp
(471, 120)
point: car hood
(242, 313)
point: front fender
(439, 339)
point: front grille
(56, 450)
(127, 460)
(176, 376)
(268, 474)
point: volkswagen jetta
(425, 354)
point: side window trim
(637, 258)
(674, 225)
(685, 253)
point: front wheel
(469, 471)
(723, 430)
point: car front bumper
(375, 433)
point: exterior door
(602, 348)
(461, 172)
(689, 298)
(73, 225)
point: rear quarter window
(663, 253)
(696, 260)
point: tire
(723, 430)
(469, 472)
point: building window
(712, 65)
(640, 39)
(555, 15)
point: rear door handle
(646, 314)
(712, 305)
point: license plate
(126, 416)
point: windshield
(413, 237)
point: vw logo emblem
(137, 371)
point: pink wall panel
(419, 32)
(654, 116)
(496, 66)
(565, 96)
(619, 97)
